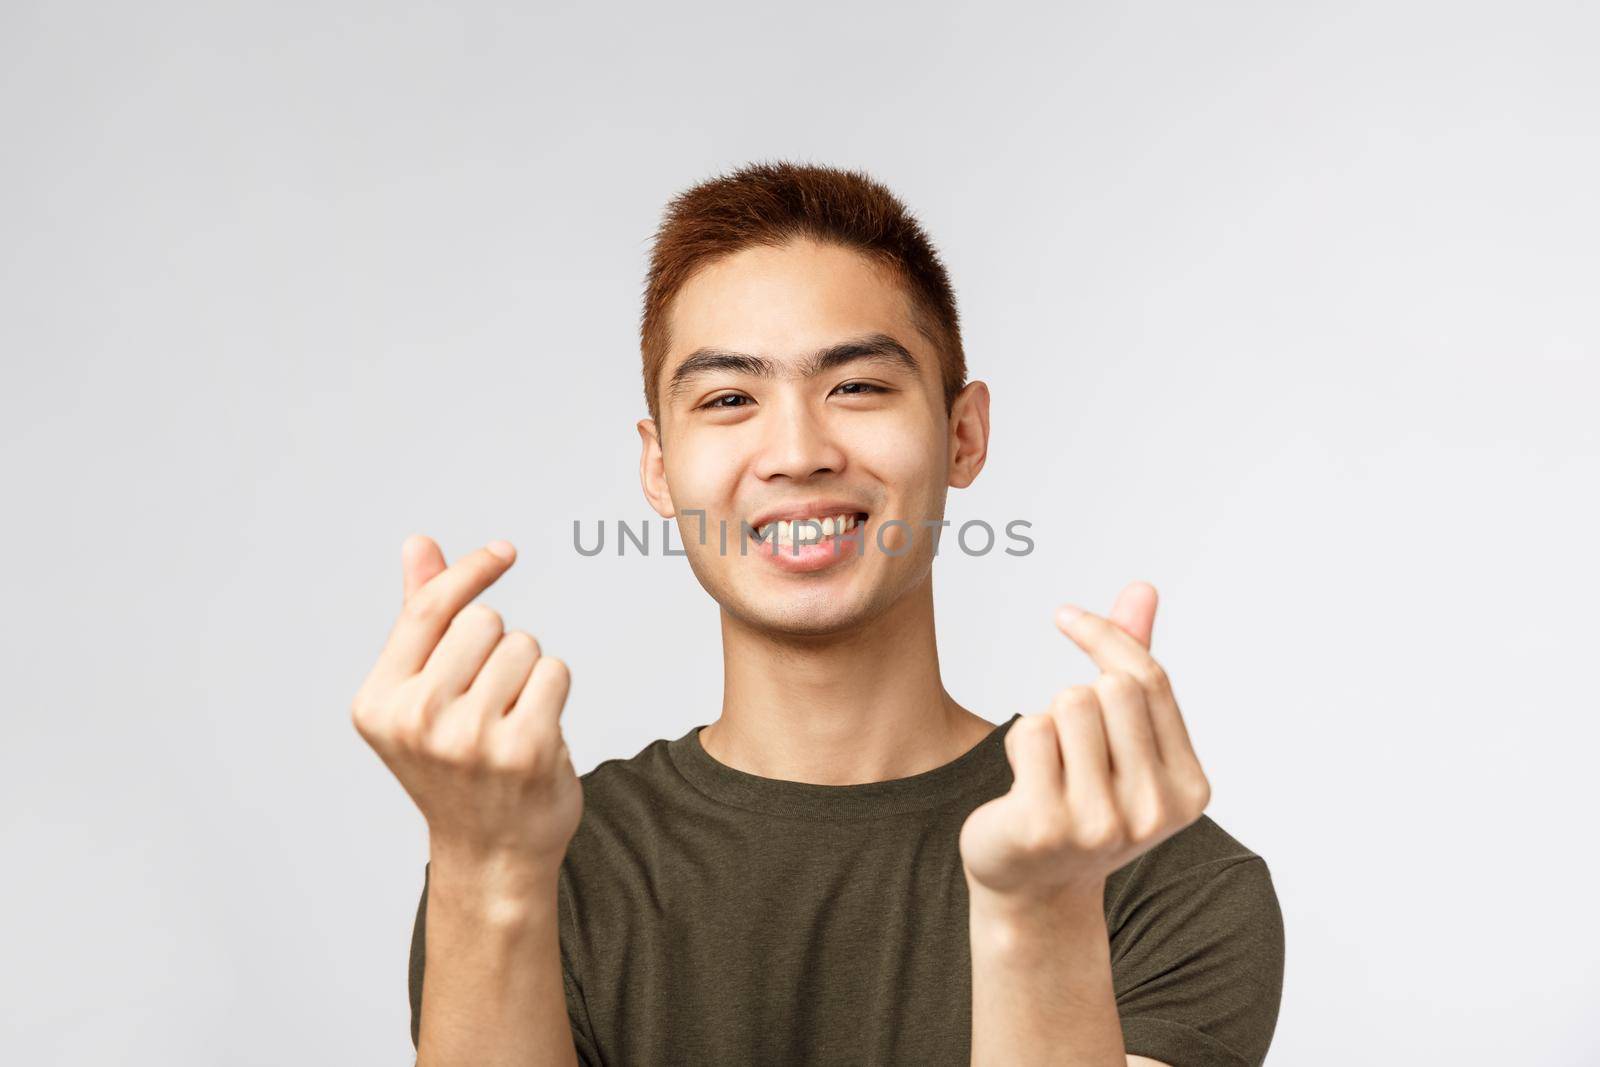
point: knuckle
(1154, 678)
(1150, 819)
(1075, 699)
(553, 670)
(365, 718)
(549, 748)
(480, 616)
(1118, 683)
(1100, 832)
(1036, 726)
(508, 761)
(457, 747)
(522, 642)
(536, 756)
(1042, 834)
(460, 754)
(423, 607)
(406, 735)
(415, 720)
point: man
(847, 866)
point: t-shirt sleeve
(577, 1014)
(1197, 954)
(577, 1008)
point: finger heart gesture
(1104, 775)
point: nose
(796, 443)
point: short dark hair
(773, 203)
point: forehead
(787, 301)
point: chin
(802, 614)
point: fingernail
(503, 549)
(1066, 613)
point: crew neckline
(983, 764)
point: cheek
(705, 478)
(908, 460)
(909, 471)
(701, 475)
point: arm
(1041, 983)
(492, 994)
(1027, 1000)
(1104, 776)
(466, 716)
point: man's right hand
(467, 716)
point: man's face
(788, 393)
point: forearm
(1041, 983)
(492, 992)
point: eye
(717, 403)
(860, 388)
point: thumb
(420, 560)
(1135, 611)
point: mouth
(809, 529)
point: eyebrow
(877, 348)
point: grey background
(1286, 308)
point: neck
(865, 705)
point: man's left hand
(1104, 775)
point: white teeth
(809, 531)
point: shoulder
(628, 803)
(623, 785)
(1201, 852)
(1199, 893)
(1197, 944)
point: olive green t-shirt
(709, 916)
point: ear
(969, 434)
(653, 470)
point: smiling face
(798, 386)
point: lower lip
(802, 559)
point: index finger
(1110, 646)
(1114, 649)
(429, 610)
(420, 560)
